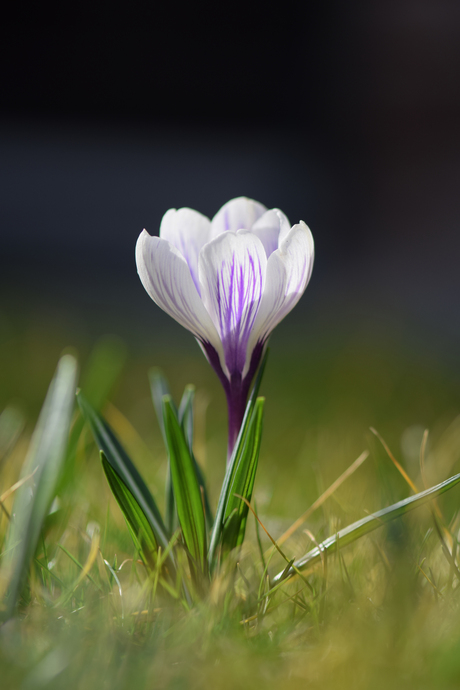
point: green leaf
(368, 524)
(185, 416)
(186, 488)
(120, 461)
(140, 528)
(216, 535)
(158, 388)
(43, 464)
(242, 483)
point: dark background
(345, 115)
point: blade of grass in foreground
(368, 524)
(43, 464)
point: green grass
(381, 612)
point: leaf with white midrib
(187, 491)
(365, 525)
(242, 485)
(126, 470)
(216, 534)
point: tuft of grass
(382, 612)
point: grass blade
(242, 484)
(122, 464)
(368, 524)
(44, 463)
(186, 487)
(324, 496)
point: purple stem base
(237, 398)
(236, 390)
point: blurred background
(345, 115)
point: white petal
(188, 231)
(165, 275)
(238, 214)
(288, 272)
(232, 276)
(271, 228)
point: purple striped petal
(238, 214)
(232, 276)
(271, 228)
(288, 272)
(188, 231)
(165, 275)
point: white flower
(229, 281)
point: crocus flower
(229, 281)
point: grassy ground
(384, 611)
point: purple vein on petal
(233, 273)
(168, 295)
(188, 231)
(240, 311)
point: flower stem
(236, 388)
(237, 396)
